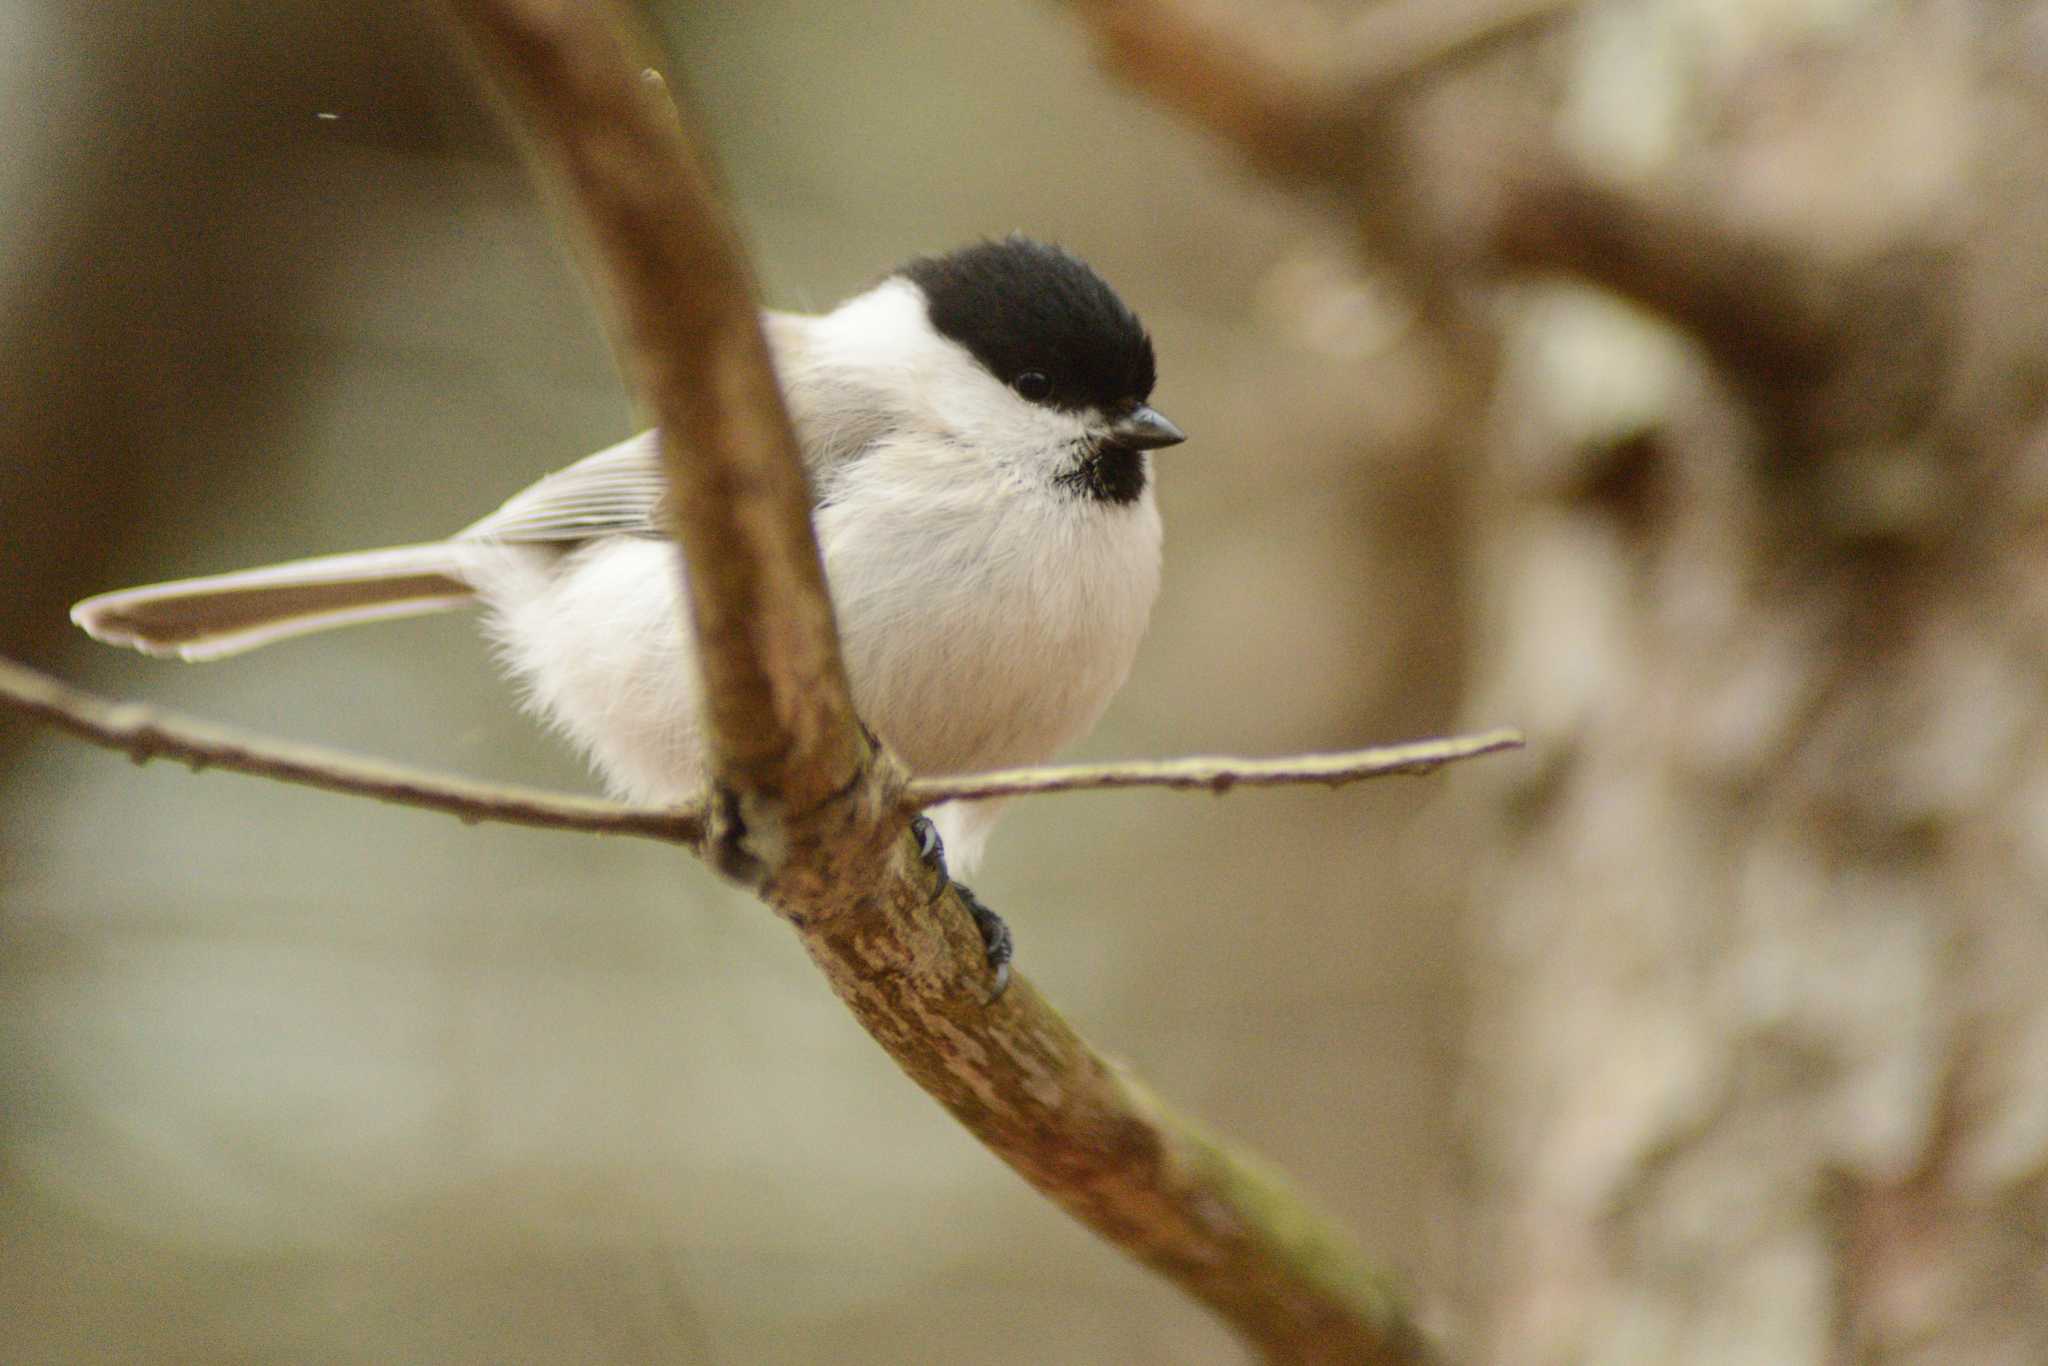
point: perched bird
(975, 430)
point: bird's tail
(225, 614)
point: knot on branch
(793, 856)
(738, 850)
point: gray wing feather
(618, 491)
(612, 493)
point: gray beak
(1145, 429)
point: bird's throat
(1111, 474)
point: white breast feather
(972, 641)
(599, 640)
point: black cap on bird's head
(1043, 322)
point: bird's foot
(995, 937)
(995, 934)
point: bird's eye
(1033, 385)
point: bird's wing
(618, 491)
(614, 492)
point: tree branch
(1829, 352)
(1213, 774)
(1761, 311)
(822, 817)
(1269, 89)
(1395, 41)
(1285, 83)
(1833, 352)
(144, 733)
(777, 710)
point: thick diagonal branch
(776, 703)
(824, 817)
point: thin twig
(144, 733)
(1091, 1135)
(1213, 773)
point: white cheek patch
(943, 390)
(1009, 431)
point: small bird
(976, 431)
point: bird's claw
(995, 937)
(931, 848)
(995, 934)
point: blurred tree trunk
(141, 334)
(1761, 1048)
(1746, 307)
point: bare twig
(1213, 774)
(1087, 1133)
(143, 733)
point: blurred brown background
(291, 1078)
(1708, 1030)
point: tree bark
(1762, 1058)
(1759, 1069)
